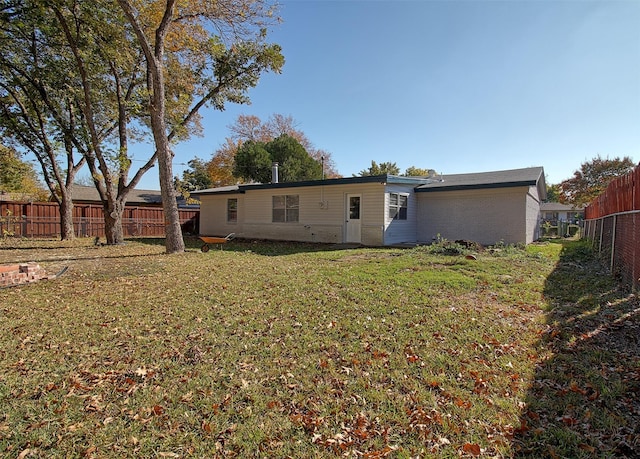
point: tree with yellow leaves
(83, 77)
(189, 66)
(250, 128)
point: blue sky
(455, 86)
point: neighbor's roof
(559, 207)
(83, 193)
(529, 176)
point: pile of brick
(21, 274)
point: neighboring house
(82, 194)
(554, 212)
(381, 210)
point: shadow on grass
(81, 249)
(64, 259)
(584, 400)
(259, 247)
(49, 250)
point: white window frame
(285, 208)
(231, 211)
(396, 209)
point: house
(554, 212)
(381, 210)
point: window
(285, 208)
(354, 208)
(232, 210)
(398, 206)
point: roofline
(333, 181)
(382, 179)
(477, 186)
(436, 184)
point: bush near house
(293, 350)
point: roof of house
(81, 193)
(497, 179)
(243, 188)
(559, 207)
(531, 176)
(90, 194)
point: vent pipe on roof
(274, 173)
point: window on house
(232, 210)
(398, 206)
(285, 208)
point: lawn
(309, 351)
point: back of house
(381, 210)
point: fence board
(42, 219)
(613, 224)
(622, 195)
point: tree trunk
(66, 218)
(154, 55)
(113, 223)
(174, 242)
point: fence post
(601, 233)
(613, 242)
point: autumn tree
(19, 178)
(592, 179)
(251, 128)
(220, 167)
(216, 50)
(109, 86)
(38, 112)
(71, 88)
(379, 169)
(91, 74)
(195, 177)
(278, 125)
(254, 160)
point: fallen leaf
(27, 452)
(568, 420)
(462, 403)
(471, 448)
(587, 448)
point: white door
(353, 218)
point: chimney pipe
(274, 173)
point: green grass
(293, 350)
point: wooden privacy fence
(42, 219)
(612, 223)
